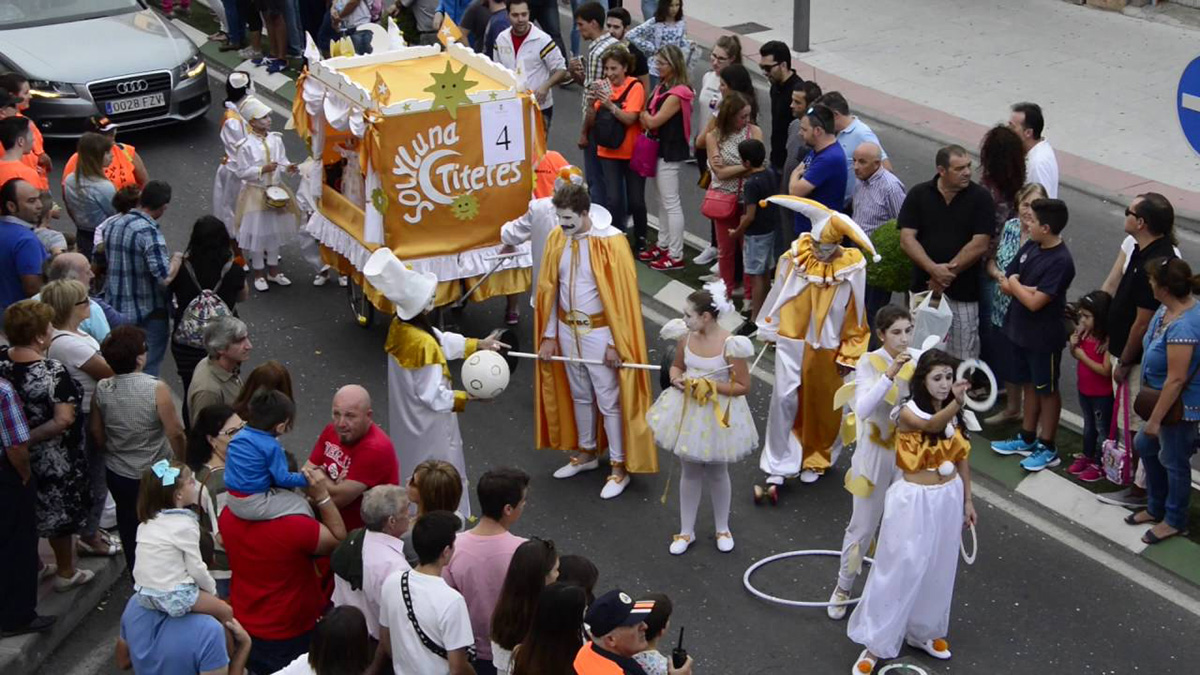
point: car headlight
(48, 89)
(193, 67)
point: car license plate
(124, 105)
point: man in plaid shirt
(139, 269)
(589, 18)
(18, 524)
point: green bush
(894, 271)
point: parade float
(426, 150)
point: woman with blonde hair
(89, 193)
(668, 119)
(80, 353)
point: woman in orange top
(622, 97)
(911, 586)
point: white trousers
(781, 453)
(911, 585)
(869, 462)
(261, 259)
(670, 208)
(595, 387)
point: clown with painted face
(587, 307)
(816, 316)
(422, 404)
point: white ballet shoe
(809, 476)
(724, 542)
(774, 480)
(837, 612)
(680, 543)
(613, 487)
(577, 466)
(864, 664)
(938, 649)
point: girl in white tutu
(911, 585)
(227, 186)
(704, 417)
(267, 215)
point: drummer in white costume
(880, 384)
(422, 405)
(264, 221)
(227, 186)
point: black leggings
(248, 13)
(125, 495)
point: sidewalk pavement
(664, 294)
(949, 69)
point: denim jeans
(545, 13)
(574, 30)
(1097, 414)
(235, 29)
(1167, 463)
(158, 333)
(626, 196)
(295, 34)
(594, 174)
(270, 656)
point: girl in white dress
(262, 228)
(227, 186)
(704, 417)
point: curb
(1049, 490)
(25, 653)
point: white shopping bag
(931, 316)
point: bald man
(75, 266)
(354, 453)
(876, 201)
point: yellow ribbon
(704, 391)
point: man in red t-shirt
(354, 453)
(276, 591)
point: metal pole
(801, 13)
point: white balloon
(485, 374)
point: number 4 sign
(503, 128)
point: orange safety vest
(32, 160)
(590, 662)
(120, 171)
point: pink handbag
(1116, 455)
(645, 156)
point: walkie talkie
(679, 655)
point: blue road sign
(1187, 101)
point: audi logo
(132, 86)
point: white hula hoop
(962, 547)
(904, 667)
(975, 364)
(794, 554)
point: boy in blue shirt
(1038, 279)
(256, 466)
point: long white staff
(587, 362)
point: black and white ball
(485, 374)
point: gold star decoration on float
(449, 90)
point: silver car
(115, 58)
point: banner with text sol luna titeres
(448, 184)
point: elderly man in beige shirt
(216, 378)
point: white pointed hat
(828, 226)
(411, 292)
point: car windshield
(25, 13)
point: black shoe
(38, 625)
(747, 328)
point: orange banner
(449, 183)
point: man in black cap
(617, 627)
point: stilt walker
(422, 405)
(880, 384)
(910, 588)
(588, 307)
(816, 316)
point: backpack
(206, 306)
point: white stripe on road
(1052, 530)
(1191, 102)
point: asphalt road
(1030, 604)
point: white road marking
(1053, 531)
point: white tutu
(693, 431)
(261, 227)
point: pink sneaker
(1080, 464)
(651, 254)
(1092, 474)
(667, 264)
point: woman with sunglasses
(207, 447)
(134, 419)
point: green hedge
(894, 271)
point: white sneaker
(774, 480)
(343, 281)
(249, 53)
(837, 612)
(724, 542)
(864, 665)
(82, 576)
(706, 256)
(260, 285)
(715, 269)
(279, 279)
(809, 476)
(613, 487)
(708, 277)
(320, 279)
(938, 649)
(47, 571)
(680, 543)
(576, 467)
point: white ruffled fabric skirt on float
(265, 228)
(693, 431)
